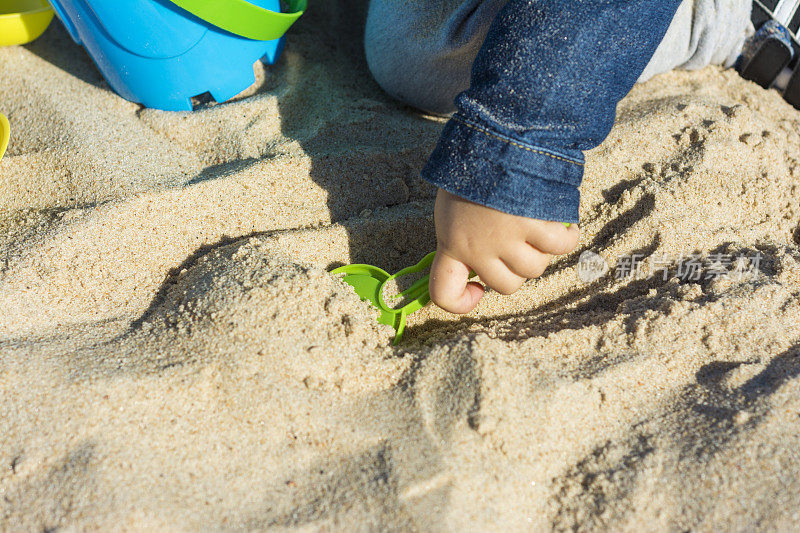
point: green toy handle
(243, 18)
(369, 282)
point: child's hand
(504, 250)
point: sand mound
(173, 354)
(242, 298)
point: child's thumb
(450, 287)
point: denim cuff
(486, 167)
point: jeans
(532, 84)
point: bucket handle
(243, 18)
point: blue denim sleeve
(544, 88)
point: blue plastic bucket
(155, 53)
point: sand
(174, 355)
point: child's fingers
(526, 261)
(553, 237)
(498, 276)
(449, 285)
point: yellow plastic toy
(22, 21)
(5, 133)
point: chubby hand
(504, 250)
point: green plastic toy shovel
(370, 281)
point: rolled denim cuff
(486, 167)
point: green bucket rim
(245, 19)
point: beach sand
(174, 355)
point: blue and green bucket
(162, 53)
